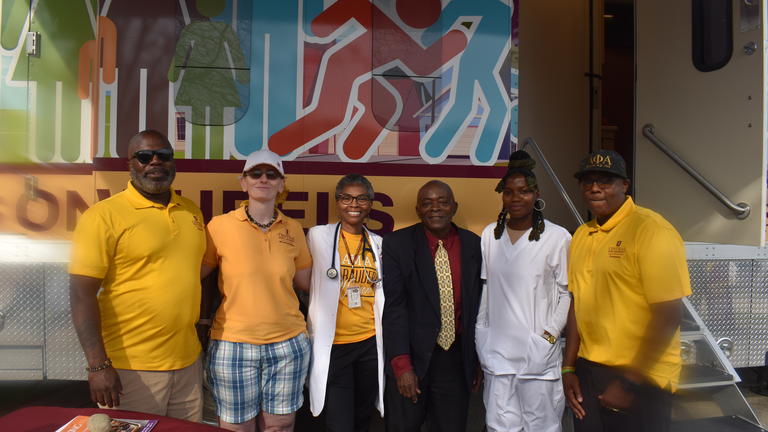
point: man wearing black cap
(628, 275)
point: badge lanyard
(354, 291)
(360, 247)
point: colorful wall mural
(314, 80)
(399, 90)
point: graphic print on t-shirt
(354, 321)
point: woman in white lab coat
(523, 308)
(346, 300)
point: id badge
(353, 297)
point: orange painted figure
(342, 104)
(95, 55)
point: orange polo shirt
(256, 270)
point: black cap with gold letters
(606, 161)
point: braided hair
(520, 162)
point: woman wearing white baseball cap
(259, 352)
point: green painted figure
(208, 52)
(54, 123)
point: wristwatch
(549, 337)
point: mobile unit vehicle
(400, 91)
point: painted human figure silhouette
(96, 54)
(476, 77)
(274, 69)
(346, 76)
(55, 136)
(142, 62)
(208, 85)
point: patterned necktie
(445, 284)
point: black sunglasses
(603, 181)
(256, 174)
(145, 156)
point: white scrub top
(526, 293)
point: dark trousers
(650, 411)
(353, 386)
(444, 398)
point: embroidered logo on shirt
(285, 237)
(617, 251)
(197, 223)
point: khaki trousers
(174, 393)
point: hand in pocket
(541, 356)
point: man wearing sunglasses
(628, 275)
(135, 289)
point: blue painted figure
(476, 76)
(275, 50)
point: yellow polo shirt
(615, 271)
(148, 256)
(256, 270)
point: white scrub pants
(531, 405)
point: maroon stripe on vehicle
(291, 167)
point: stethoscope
(333, 273)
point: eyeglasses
(146, 156)
(603, 182)
(362, 200)
(256, 174)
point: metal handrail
(741, 210)
(548, 168)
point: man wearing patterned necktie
(432, 286)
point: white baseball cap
(261, 157)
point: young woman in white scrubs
(523, 309)
(346, 301)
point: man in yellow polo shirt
(628, 275)
(135, 289)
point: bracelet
(205, 321)
(107, 364)
(567, 369)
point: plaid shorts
(247, 379)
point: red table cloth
(48, 419)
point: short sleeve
(211, 256)
(93, 244)
(662, 264)
(303, 258)
(575, 253)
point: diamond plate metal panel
(759, 328)
(64, 357)
(21, 358)
(21, 375)
(722, 296)
(21, 303)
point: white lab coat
(526, 293)
(323, 304)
